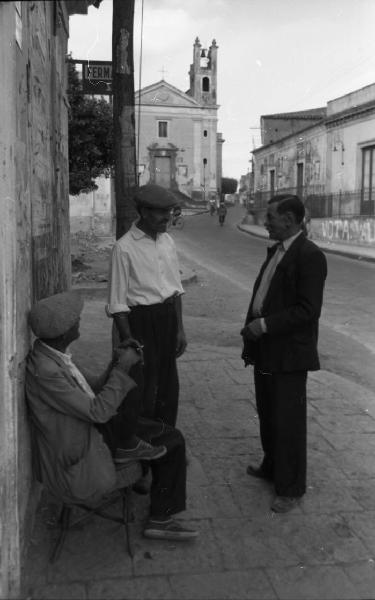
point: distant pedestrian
(176, 214)
(145, 300)
(222, 212)
(280, 340)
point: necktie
(266, 280)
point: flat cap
(155, 196)
(51, 317)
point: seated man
(81, 428)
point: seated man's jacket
(291, 310)
(71, 459)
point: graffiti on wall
(358, 230)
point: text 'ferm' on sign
(98, 72)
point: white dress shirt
(282, 248)
(143, 271)
(266, 280)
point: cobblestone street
(325, 548)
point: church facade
(179, 146)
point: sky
(274, 55)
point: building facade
(329, 164)
(296, 162)
(178, 144)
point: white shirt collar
(136, 232)
(139, 234)
(67, 355)
(289, 241)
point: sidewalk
(323, 549)
(349, 250)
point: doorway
(300, 167)
(163, 171)
(272, 182)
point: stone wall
(94, 212)
(34, 227)
(352, 230)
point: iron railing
(320, 204)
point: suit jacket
(70, 456)
(291, 310)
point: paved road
(228, 260)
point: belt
(169, 300)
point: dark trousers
(281, 406)
(155, 327)
(123, 426)
(168, 487)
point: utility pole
(123, 113)
(204, 180)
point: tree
(90, 136)
(228, 185)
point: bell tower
(203, 74)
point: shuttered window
(368, 181)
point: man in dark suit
(280, 339)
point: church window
(206, 84)
(204, 59)
(163, 129)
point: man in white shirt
(145, 300)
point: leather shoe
(142, 451)
(170, 530)
(258, 472)
(283, 504)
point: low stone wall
(93, 212)
(350, 230)
(356, 230)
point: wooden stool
(127, 475)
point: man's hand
(252, 331)
(181, 343)
(129, 343)
(129, 356)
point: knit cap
(53, 316)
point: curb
(189, 277)
(340, 252)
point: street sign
(96, 76)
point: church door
(163, 171)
